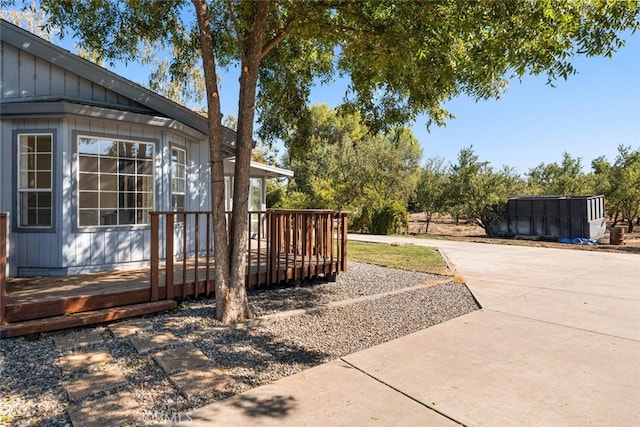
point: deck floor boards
(30, 298)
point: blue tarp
(578, 241)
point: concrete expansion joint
(426, 405)
(533, 319)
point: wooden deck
(41, 304)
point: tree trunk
(230, 249)
(221, 243)
(236, 302)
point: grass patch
(407, 257)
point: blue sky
(588, 115)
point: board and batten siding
(26, 77)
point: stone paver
(78, 339)
(174, 360)
(149, 342)
(200, 381)
(95, 382)
(112, 410)
(131, 327)
(75, 362)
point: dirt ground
(444, 227)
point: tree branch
(236, 25)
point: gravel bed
(32, 391)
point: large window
(178, 179)
(115, 181)
(35, 163)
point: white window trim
(183, 193)
(20, 191)
(78, 136)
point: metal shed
(553, 217)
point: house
(86, 155)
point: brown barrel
(616, 235)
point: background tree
(431, 192)
(624, 178)
(479, 193)
(564, 178)
(402, 58)
(347, 166)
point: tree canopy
(402, 58)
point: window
(178, 179)
(35, 167)
(115, 182)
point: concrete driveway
(557, 343)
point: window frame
(77, 136)
(184, 178)
(17, 199)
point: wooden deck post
(155, 259)
(169, 256)
(3, 268)
(343, 240)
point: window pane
(145, 167)
(128, 150)
(108, 217)
(127, 216)
(88, 164)
(127, 166)
(145, 151)
(44, 217)
(88, 181)
(88, 146)
(27, 143)
(108, 165)
(87, 218)
(43, 179)
(177, 202)
(108, 182)
(108, 200)
(127, 200)
(43, 144)
(43, 161)
(108, 148)
(31, 180)
(44, 199)
(144, 200)
(24, 180)
(142, 216)
(88, 200)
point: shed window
(35, 165)
(115, 182)
(178, 179)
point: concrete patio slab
(489, 368)
(613, 316)
(333, 394)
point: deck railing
(3, 267)
(282, 245)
